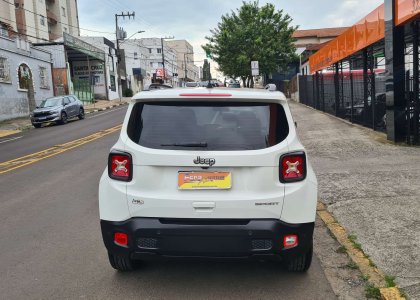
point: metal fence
(412, 93)
(347, 94)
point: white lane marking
(11, 139)
(110, 111)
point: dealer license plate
(204, 180)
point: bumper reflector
(121, 239)
(290, 241)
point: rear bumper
(157, 238)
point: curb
(93, 110)
(375, 276)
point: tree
(206, 70)
(252, 33)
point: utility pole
(185, 65)
(117, 30)
(163, 55)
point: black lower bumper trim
(153, 237)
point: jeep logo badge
(204, 161)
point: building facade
(135, 60)
(86, 68)
(159, 67)
(187, 71)
(23, 68)
(40, 20)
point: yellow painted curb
(4, 133)
(390, 294)
(374, 275)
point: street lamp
(140, 31)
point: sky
(193, 19)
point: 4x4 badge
(204, 161)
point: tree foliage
(252, 33)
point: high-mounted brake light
(292, 167)
(120, 166)
(205, 95)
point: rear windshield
(207, 126)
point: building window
(159, 50)
(42, 20)
(4, 70)
(63, 11)
(3, 30)
(25, 77)
(113, 87)
(136, 55)
(111, 63)
(43, 76)
(65, 29)
(151, 64)
(150, 50)
(160, 65)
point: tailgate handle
(204, 206)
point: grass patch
(371, 263)
(372, 292)
(341, 249)
(352, 265)
(353, 240)
(365, 277)
(390, 281)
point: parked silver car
(58, 110)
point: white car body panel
(256, 191)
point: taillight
(120, 166)
(293, 167)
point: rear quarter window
(216, 126)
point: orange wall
(406, 10)
(366, 32)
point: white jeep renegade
(213, 173)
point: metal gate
(83, 90)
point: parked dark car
(362, 116)
(58, 110)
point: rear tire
(37, 125)
(121, 263)
(300, 263)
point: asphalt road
(51, 246)
(35, 140)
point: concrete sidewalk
(371, 186)
(17, 125)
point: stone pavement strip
(17, 125)
(371, 187)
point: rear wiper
(201, 145)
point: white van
(210, 173)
